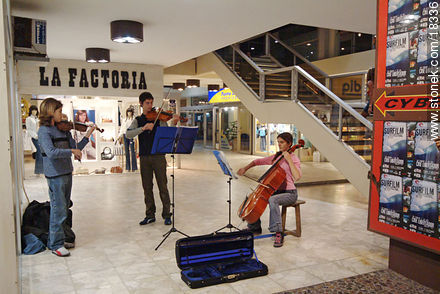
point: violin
(66, 126)
(253, 206)
(163, 115)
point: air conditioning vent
(29, 37)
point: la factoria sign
(95, 78)
(75, 77)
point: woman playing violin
(286, 193)
(89, 151)
(57, 148)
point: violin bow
(161, 107)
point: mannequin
(130, 153)
(32, 129)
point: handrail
(348, 74)
(278, 70)
(305, 74)
(245, 57)
(294, 52)
(335, 98)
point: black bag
(36, 221)
(218, 258)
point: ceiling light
(179, 86)
(192, 83)
(359, 34)
(252, 48)
(308, 44)
(213, 88)
(100, 55)
(342, 48)
(276, 41)
(126, 31)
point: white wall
(361, 61)
(8, 251)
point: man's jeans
(59, 193)
(158, 165)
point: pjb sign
(348, 88)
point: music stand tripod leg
(173, 228)
(229, 226)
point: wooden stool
(296, 232)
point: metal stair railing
(348, 126)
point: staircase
(278, 94)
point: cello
(254, 205)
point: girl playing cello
(286, 193)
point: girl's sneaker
(279, 239)
(61, 252)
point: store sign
(222, 96)
(348, 87)
(71, 77)
(403, 103)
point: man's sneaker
(147, 220)
(279, 239)
(69, 245)
(62, 252)
(167, 221)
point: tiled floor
(114, 254)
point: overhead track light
(192, 83)
(179, 86)
(213, 88)
(100, 55)
(127, 31)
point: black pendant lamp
(179, 86)
(127, 31)
(100, 55)
(192, 83)
(212, 88)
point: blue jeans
(278, 198)
(38, 158)
(129, 146)
(60, 189)
(263, 143)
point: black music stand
(173, 140)
(227, 170)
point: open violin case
(218, 258)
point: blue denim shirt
(57, 161)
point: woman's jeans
(129, 146)
(278, 198)
(60, 189)
(38, 158)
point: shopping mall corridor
(114, 254)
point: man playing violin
(145, 129)
(286, 193)
(57, 148)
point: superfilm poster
(390, 199)
(403, 16)
(397, 61)
(394, 152)
(426, 154)
(424, 207)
